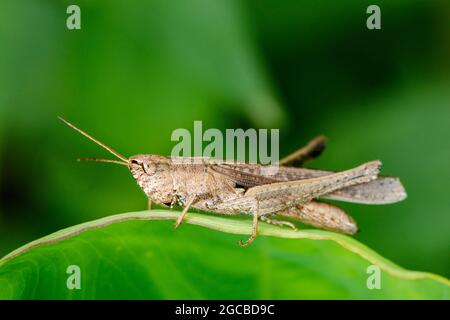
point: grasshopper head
(152, 173)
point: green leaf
(149, 260)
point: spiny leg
(279, 222)
(254, 228)
(184, 212)
(312, 150)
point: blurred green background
(138, 70)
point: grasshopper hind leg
(312, 150)
(322, 215)
(267, 220)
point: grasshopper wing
(278, 196)
(245, 175)
(383, 190)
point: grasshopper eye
(149, 168)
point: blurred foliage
(127, 260)
(135, 72)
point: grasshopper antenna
(103, 160)
(111, 150)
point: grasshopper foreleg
(149, 204)
(184, 212)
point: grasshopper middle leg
(254, 228)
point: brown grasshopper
(234, 187)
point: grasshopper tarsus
(279, 222)
(245, 243)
